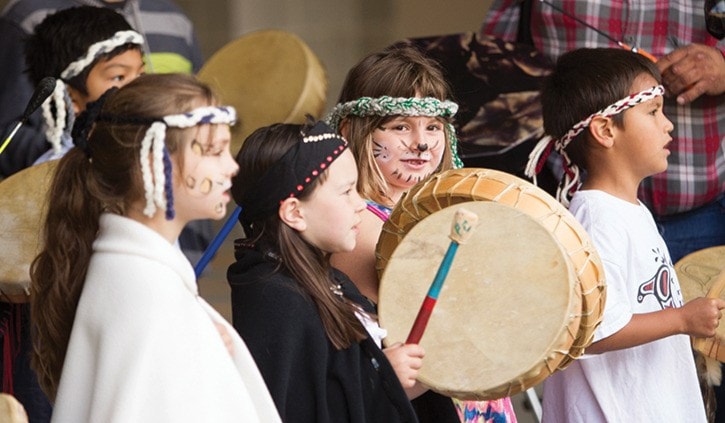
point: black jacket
(310, 381)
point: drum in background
(698, 273)
(269, 76)
(23, 204)
(506, 242)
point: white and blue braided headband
(153, 142)
(56, 126)
(102, 47)
(398, 106)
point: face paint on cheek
(404, 147)
(205, 186)
(380, 152)
(190, 182)
(436, 152)
(196, 148)
(219, 208)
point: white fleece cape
(144, 347)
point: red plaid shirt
(696, 172)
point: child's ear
(602, 131)
(291, 214)
(77, 99)
(344, 128)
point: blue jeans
(695, 230)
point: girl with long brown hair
(304, 321)
(120, 332)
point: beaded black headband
(292, 173)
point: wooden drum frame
(504, 283)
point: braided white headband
(102, 47)
(55, 126)
(571, 180)
(155, 187)
(60, 100)
(403, 106)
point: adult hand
(692, 71)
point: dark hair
(307, 264)
(81, 190)
(585, 81)
(65, 36)
(398, 71)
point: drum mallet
(44, 90)
(464, 222)
(217, 242)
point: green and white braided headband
(399, 106)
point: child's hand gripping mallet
(464, 222)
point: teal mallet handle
(464, 222)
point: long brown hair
(105, 177)
(400, 71)
(307, 264)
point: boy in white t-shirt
(603, 112)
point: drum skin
(269, 76)
(697, 273)
(454, 187)
(24, 204)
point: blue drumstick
(217, 242)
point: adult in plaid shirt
(687, 200)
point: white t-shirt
(654, 382)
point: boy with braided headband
(603, 112)
(121, 333)
(395, 108)
(89, 50)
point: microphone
(42, 91)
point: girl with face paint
(115, 304)
(396, 112)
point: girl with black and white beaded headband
(302, 319)
(115, 304)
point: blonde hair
(400, 71)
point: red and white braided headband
(543, 148)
